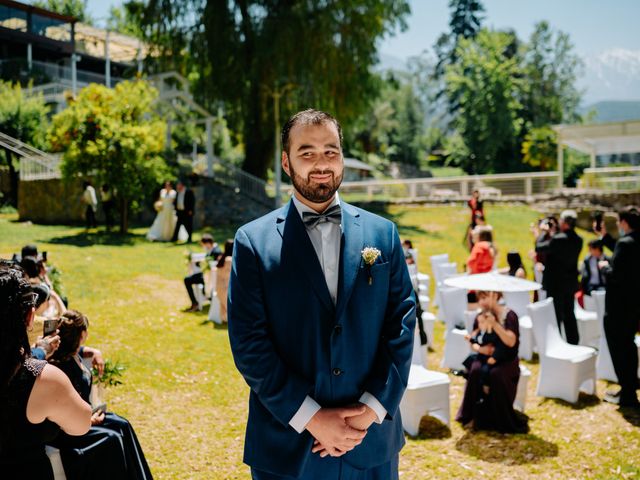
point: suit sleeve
(388, 379)
(279, 389)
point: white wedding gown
(165, 223)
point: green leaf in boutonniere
(369, 256)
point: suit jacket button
(337, 329)
(337, 371)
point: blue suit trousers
(331, 468)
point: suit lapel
(350, 254)
(296, 240)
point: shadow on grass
(631, 415)
(431, 429)
(89, 239)
(508, 449)
(584, 401)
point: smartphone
(50, 327)
(102, 408)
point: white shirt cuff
(306, 411)
(373, 403)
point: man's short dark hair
(596, 243)
(29, 251)
(631, 215)
(307, 117)
(207, 238)
(30, 266)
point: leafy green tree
(464, 23)
(238, 53)
(486, 84)
(540, 148)
(127, 18)
(393, 128)
(551, 69)
(25, 118)
(74, 8)
(113, 136)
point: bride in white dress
(165, 223)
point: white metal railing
(612, 179)
(56, 73)
(235, 178)
(34, 164)
(498, 186)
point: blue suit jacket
(288, 338)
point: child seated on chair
(481, 337)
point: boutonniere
(370, 255)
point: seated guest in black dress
(495, 410)
(110, 449)
(480, 337)
(36, 399)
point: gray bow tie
(332, 214)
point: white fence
(500, 186)
(612, 179)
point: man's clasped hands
(338, 430)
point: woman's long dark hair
(228, 252)
(16, 301)
(515, 262)
(70, 326)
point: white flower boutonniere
(370, 255)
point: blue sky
(594, 25)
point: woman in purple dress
(494, 411)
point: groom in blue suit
(321, 320)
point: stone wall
(51, 201)
(58, 202)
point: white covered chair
(214, 306)
(521, 392)
(590, 303)
(427, 393)
(565, 369)
(537, 276)
(435, 261)
(56, 463)
(604, 365)
(518, 302)
(453, 308)
(588, 327)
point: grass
(188, 404)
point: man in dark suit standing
(321, 321)
(622, 307)
(185, 204)
(560, 276)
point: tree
(485, 82)
(241, 55)
(73, 8)
(551, 69)
(540, 147)
(113, 136)
(22, 117)
(126, 18)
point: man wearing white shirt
(321, 327)
(91, 201)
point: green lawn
(187, 402)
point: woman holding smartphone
(110, 450)
(36, 399)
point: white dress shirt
(325, 237)
(180, 200)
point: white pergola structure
(598, 139)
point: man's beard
(316, 192)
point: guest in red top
(482, 255)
